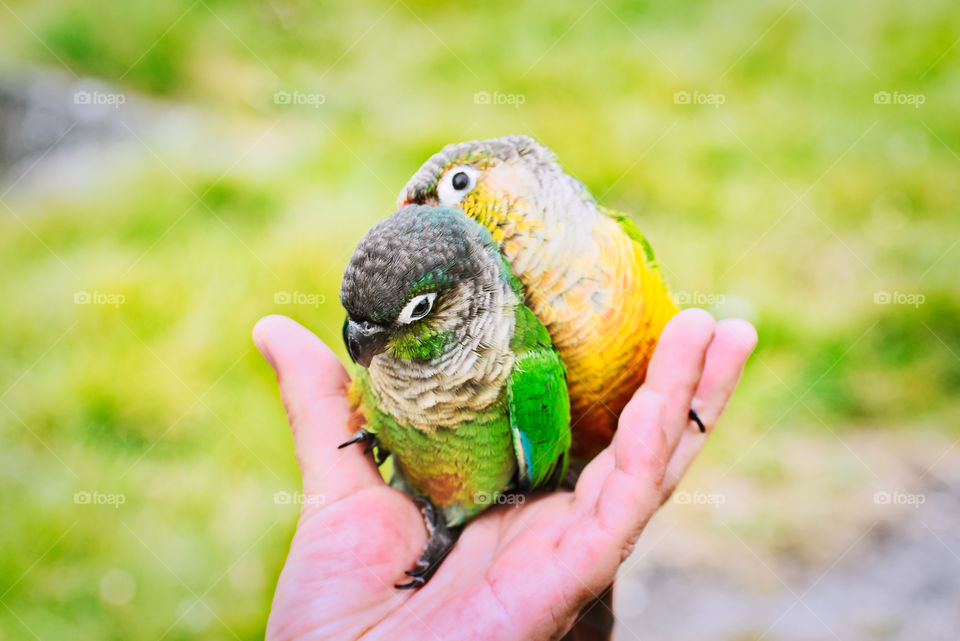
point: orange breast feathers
(604, 309)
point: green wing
(634, 233)
(538, 405)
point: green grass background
(798, 199)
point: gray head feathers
(418, 247)
(505, 149)
(450, 363)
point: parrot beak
(365, 340)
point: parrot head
(498, 182)
(417, 285)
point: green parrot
(458, 379)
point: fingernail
(264, 350)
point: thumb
(313, 386)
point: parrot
(589, 274)
(458, 380)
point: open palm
(517, 572)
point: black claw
(415, 583)
(370, 443)
(439, 543)
(361, 436)
(418, 570)
(696, 419)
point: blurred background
(173, 171)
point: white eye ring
(406, 314)
(450, 196)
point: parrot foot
(696, 419)
(370, 441)
(439, 543)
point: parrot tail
(595, 622)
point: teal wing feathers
(538, 405)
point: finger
(676, 367)
(313, 386)
(732, 344)
(640, 451)
(673, 375)
(629, 493)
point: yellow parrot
(588, 273)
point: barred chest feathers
(469, 376)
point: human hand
(518, 572)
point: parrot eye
(455, 184)
(417, 308)
(460, 181)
